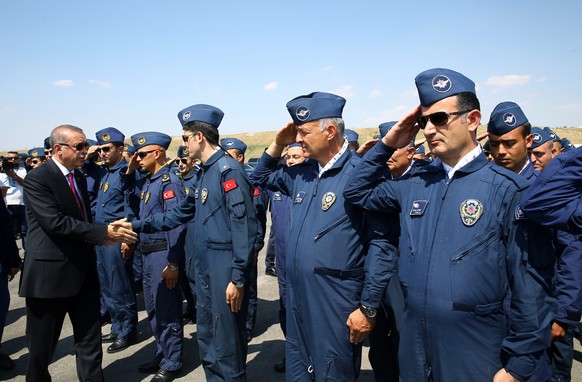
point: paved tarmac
(266, 348)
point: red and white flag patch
(256, 192)
(168, 194)
(229, 185)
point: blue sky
(134, 64)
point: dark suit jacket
(9, 257)
(60, 253)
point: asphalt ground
(266, 348)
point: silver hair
(60, 134)
(337, 122)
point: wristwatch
(172, 267)
(368, 312)
(239, 284)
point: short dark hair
(526, 129)
(468, 101)
(209, 131)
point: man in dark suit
(59, 274)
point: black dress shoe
(280, 366)
(150, 367)
(164, 376)
(119, 345)
(111, 337)
(270, 271)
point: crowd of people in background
(458, 256)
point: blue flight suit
(555, 198)
(280, 215)
(188, 284)
(115, 273)
(331, 266)
(161, 192)
(261, 202)
(464, 246)
(223, 243)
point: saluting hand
(364, 148)
(284, 137)
(403, 131)
(360, 326)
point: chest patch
(204, 195)
(519, 214)
(418, 207)
(471, 210)
(277, 197)
(327, 200)
(196, 193)
(299, 197)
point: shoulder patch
(169, 194)
(256, 192)
(519, 214)
(223, 164)
(229, 185)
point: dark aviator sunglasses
(439, 118)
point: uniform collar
(119, 165)
(333, 161)
(468, 158)
(164, 170)
(213, 158)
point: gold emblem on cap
(125, 147)
(106, 137)
(141, 140)
(204, 195)
(327, 200)
(106, 187)
(34, 153)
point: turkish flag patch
(168, 194)
(229, 185)
(256, 192)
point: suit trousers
(44, 321)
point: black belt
(153, 247)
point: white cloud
(6, 110)
(100, 84)
(508, 80)
(64, 83)
(570, 107)
(346, 91)
(375, 94)
(271, 86)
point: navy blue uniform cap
(436, 84)
(150, 138)
(540, 136)
(315, 106)
(36, 152)
(351, 135)
(183, 152)
(233, 143)
(552, 134)
(505, 117)
(201, 113)
(109, 135)
(385, 127)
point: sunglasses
(143, 154)
(186, 138)
(48, 151)
(13, 158)
(78, 147)
(439, 118)
(105, 149)
(184, 161)
(35, 161)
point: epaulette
(224, 165)
(166, 178)
(520, 182)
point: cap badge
(106, 137)
(537, 137)
(471, 210)
(441, 84)
(34, 153)
(229, 144)
(141, 140)
(125, 148)
(186, 116)
(327, 200)
(509, 119)
(302, 113)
